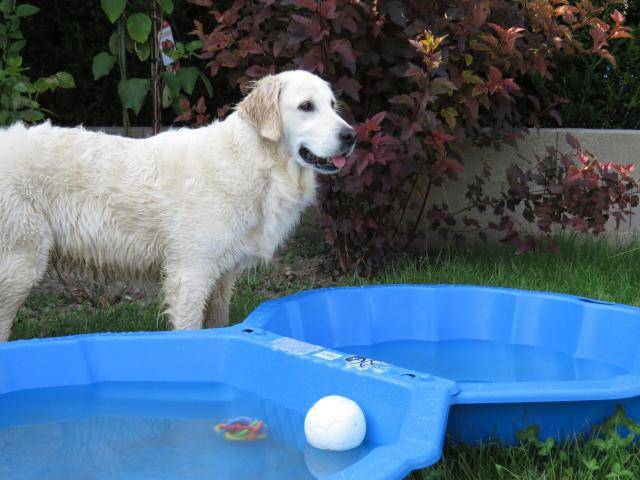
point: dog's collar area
(324, 165)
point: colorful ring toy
(242, 429)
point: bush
(70, 33)
(559, 190)
(600, 95)
(418, 78)
(18, 93)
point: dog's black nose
(348, 136)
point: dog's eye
(306, 107)
(333, 104)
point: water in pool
(486, 361)
(145, 431)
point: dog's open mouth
(324, 165)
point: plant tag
(166, 43)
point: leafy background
(70, 32)
(602, 96)
(417, 80)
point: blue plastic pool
(144, 406)
(518, 357)
(480, 363)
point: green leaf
(193, 46)
(166, 5)
(114, 43)
(113, 8)
(31, 115)
(26, 10)
(6, 6)
(45, 84)
(21, 87)
(59, 80)
(591, 464)
(13, 24)
(187, 78)
(207, 84)
(14, 102)
(5, 118)
(167, 97)
(65, 79)
(449, 114)
(132, 93)
(139, 27)
(16, 46)
(179, 48)
(172, 82)
(142, 50)
(14, 61)
(102, 65)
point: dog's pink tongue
(339, 161)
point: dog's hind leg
(186, 289)
(25, 243)
(19, 272)
(217, 310)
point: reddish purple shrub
(557, 191)
(418, 78)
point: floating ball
(335, 423)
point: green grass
(611, 453)
(50, 315)
(590, 269)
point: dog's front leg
(217, 310)
(186, 289)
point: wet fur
(188, 207)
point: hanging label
(166, 43)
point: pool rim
(617, 387)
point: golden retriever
(190, 207)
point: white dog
(190, 207)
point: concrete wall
(135, 132)
(620, 146)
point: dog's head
(299, 109)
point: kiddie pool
(518, 357)
(514, 358)
(75, 407)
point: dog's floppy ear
(261, 108)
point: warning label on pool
(293, 346)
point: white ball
(335, 423)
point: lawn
(590, 269)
